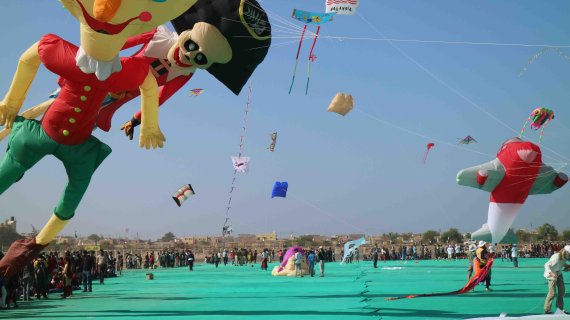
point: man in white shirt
(457, 251)
(553, 273)
(449, 252)
(515, 255)
(225, 256)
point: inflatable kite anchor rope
(479, 276)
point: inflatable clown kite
(208, 37)
(516, 173)
(86, 74)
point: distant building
(65, 240)
(356, 236)
(10, 223)
(266, 236)
(246, 239)
(196, 240)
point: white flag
(347, 7)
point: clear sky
(348, 174)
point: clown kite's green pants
(29, 143)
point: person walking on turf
(375, 256)
(298, 262)
(470, 258)
(322, 256)
(87, 263)
(190, 260)
(102, 261)
(482, 258)
(311, 260)
(515, 255)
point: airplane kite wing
(548, 180)
(485, 176)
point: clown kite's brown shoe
(20, 253)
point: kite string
(390, 124)
(452, 89)
(539, 54)
(524, 127)
(373, 117)
(542, 131)
(330, 215)
(547, 46)
(241, 147)
(279, 168)
(554, 47)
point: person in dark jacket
(215, 259)
(88, 263)
(322, 256)
(374, 254)
(41, 272)
(190, 260)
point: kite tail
(297, 59)
(534, 58)
(411, 296)
(542, 131)
(241, 143)
(478, 277)
(309, 60)
(524, 127)
(425, 157)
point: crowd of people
(61, 273)
(460, 250)
(64, 272)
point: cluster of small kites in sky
(341, 103)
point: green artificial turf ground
(353, 291)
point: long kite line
(454, 90)
(289, 30)
(226, 229)
(472, 43)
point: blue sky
(348, 174)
